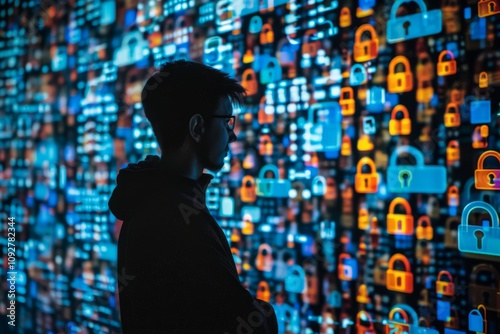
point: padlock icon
(480, 136)
(364, 143)
(263, 292)
(310, 46)
(487, 179)
(477, 321)
(401, 126)
(345, 19)
(444, 288)
(424, 232)
(446, 67)
(247, 226)
(450, 233)
(368, 49)
(366, 183)
(265, 145)
(424, 92)
(484, 293)
(399, 82)
(346, 146)
(363, 328)
(266, 34)
(487, 8)
(295, 280)
(255, 25)
(358, 75)
(247, 190)
(363, 219)
(263, 116)
(347, 267)
(249, 81)
(401, 224)
(401, 281)
(264, 259)
(452, 116)
(452, 152)
(248, 57)
(400, 325)
(453, 196)
(272, 72)
(346, 101)
(483, 80)
(362, 296)
(484, 239)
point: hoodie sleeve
(183, 285)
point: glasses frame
(222, 116)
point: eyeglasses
(230, 123)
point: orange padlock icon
(483, 80)
(264, 260)
(265, 145)
(363, 219)
(452, 116)
(345, 19)
(487, 8)
(309, 46)
(249, 81)
(235, 235)
(487, 179)
(265, 117)
(401, 281)
(401, 81)
(346, 147)
(401, 126)
(365, 50)
(346, 101)
(452, 152)
(362, 296)
(453, 196)
(248, 190)
(248, 57)
(401, 224)
(247, 227)
(424, 232)
(266, 34)
(480, 136)
(447, 67)
(263, 292)
(445, 288)
(366, 183)
(457, 96)
(367, 326)
(424, 92)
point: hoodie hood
(146, 180)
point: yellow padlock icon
(266, 34)
(363, 219)
(453, 196)
(346, 146)
(345, 19)
(401, 126)
(446, 67)
(424, 232)
(487, 179)
(399, 82)
(346, 101)
(452, 152)
(397, 280)
(366, 183)
(263, 292)
(483, 80)
(364, 143)
(401, 224)
(452, 116)
(362, 296)
(424, 92)
(445, 288)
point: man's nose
(232, 136)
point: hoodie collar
(145, 180)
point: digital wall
(378, 119)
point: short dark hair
(180, 90)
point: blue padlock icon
(480, 112)
(419, 178)
(412, 26)
(319, 185)
(358, 75)
(271, 72)
(335, 299)
(324, 125)
(479, 239)
(476, 321)
(295, 279)
(375, 99)
(255, 24)
(271, 187)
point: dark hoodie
(176, 272)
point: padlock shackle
(407, 310)
(399, 257)
(398, 3)
(484, 155)
(399, 60)
(401, 201)
(368, 318)
(453, 143)
(447, 273)
(397, 109)
(363, 28)
(247, 178)
(425, 219)
(346, 90)
(480, 205)
(400, 311)
(269, 167)
(366, 161)
(444, 53)
(450, 106)
(488, 268)
(419, 157)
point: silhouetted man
(176, 272)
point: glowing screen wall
(379, 118)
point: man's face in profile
(214, 145)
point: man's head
(183, 102)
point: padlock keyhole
(479, 236)
(406, 26)
(491, 176)
(398, 281)
(492, 7)
(486, 298)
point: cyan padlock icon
(419, 178)
(271, 72)
(479, 239)
(272, 187)
(324, 126)
(255, 24)
(358, 75)
(416, 25)
(295, 279)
